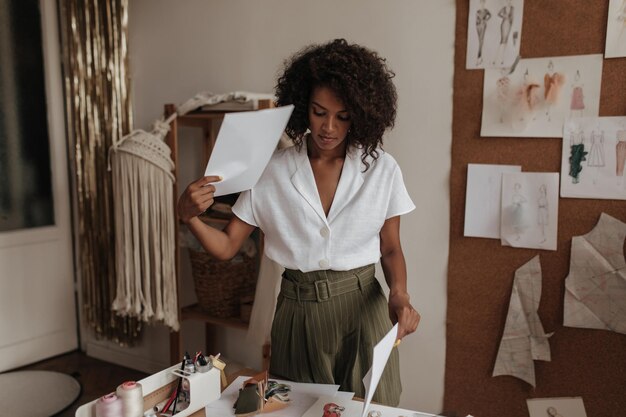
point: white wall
(178, 48)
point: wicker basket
(221, 284)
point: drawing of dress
(542, 208)
(543, 211)
(482, 16)
(502, 90)
(578, 102)
(596, 153)
(506, 13)
(517, 211)
(577, 155)
(620, 152)
(552, 87)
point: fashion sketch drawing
(482, 17)
(506, 14)
(597, 157)
(494, 30)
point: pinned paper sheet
(244, 146)
(482, 199)
(595, 289)
(524, 339)
(530, 208)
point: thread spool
(131, 394)
(109, 406)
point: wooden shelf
(208, 121)
(194, 312)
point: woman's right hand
(197, 197)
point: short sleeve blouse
(286, 206)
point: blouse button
(324, 263)
(324, 231)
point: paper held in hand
(244, 146)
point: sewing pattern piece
(595, 289)
(523, 339)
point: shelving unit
(209, 122)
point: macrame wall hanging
(96, 83)
(145, 245)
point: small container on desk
(204, 388)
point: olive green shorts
(325, 328)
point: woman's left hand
(402, 312)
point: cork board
(586, 363)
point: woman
(329, 208)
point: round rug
(36, 393)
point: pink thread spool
(131, 395)
(109, 406)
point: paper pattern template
(329, 406)
(594, 158)
(244, 146)
(524, 339)
(494, 33)
(539, 95)
(595, 289)
(482, 199)
(616, 30)
(530, 208)
(556, 407)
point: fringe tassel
(145, 241)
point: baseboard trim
(124, 358)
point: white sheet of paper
(382, 350)
(600, 174)
(494, 33)
(244, 146)
(616, 30)
(482, 199)
(530, 209)
(559, 407)
(508, 111)
(333, 406)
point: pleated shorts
(327, 335)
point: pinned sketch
(556, 407)
(616, 30)
(524, 339)
(494, 33)
(537, 97)
(594, 158)
(244, 146)
(595, 289)
(529, 210)
(482, 199)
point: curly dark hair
(359, 77)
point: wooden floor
(95, 376)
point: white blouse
(286, 206)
